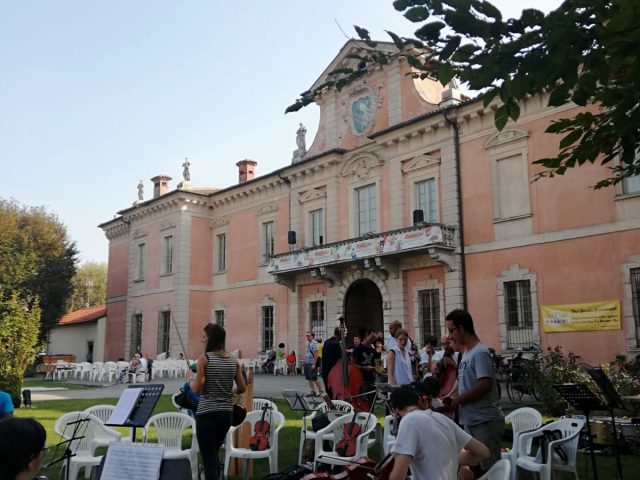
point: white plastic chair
(276, 421)
(280, 367)
(388, 438)
(522, 420)
(570, 428)
(83, 448)
(501, 470)
(306, 431)
(259, 403)
(367, 423)
(169, 428)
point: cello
(345, 379)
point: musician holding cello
(429, 443)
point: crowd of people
(445, 397)
(459, 378)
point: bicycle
(522, 378)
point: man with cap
(421, 429)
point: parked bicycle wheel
(514, 391)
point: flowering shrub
(557, 368)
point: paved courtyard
(264, 386)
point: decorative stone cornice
(115, 230)
(139, 232)
(167, 224)
(420, 162)
(361, 164)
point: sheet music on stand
(580, 397)
(132, 460)
(135, 406)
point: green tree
(37, 261)
(19, 328)
(89, 286)
(585, 52)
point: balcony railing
(391, 243)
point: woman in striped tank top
(217, 371)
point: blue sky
(95, 96)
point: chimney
(245, 170)
(160, 185)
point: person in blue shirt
(187, 388)
(6, 405)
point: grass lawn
(46, 412)
(35, 382)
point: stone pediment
(220, 222)
(420, 162)
(344, 58)
(505, 136)
(312, 194)
(267, 208)
(361, 165)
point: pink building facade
(408, 204)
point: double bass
(345, 379)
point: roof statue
(301, 142)
(186, 174)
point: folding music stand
(63, 451)
(141, 412)
(613, 401)
(582, 399)
(300, 401)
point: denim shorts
(310, 374)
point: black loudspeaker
(321, 240)
(418, 217)
(291, 237)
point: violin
(260, 439)
(346, 447)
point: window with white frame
(517, 302)
(136, 334)
(219, 317)
(167, 260)
(268, 241)
(517, 307)
(267, 327)
(429, 313)
(511, 193)
(164, 327)
(221, 249)
(631, 184)
(635, 300)
(367, 209)
(316, 318)
(142, 248)
(425, 192)
(316, 222)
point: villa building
(408, 204)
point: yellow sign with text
(581, 317)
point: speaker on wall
(418, 217)
(291, 237)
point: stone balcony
(373, 251)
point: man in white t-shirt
(429, 443)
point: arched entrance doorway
(363, 308)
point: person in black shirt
(364, 356)
(331, 353)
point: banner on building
(581, 317)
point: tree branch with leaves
(585, 52)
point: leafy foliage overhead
(37, 261)
(585, 52)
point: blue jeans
(211, 430)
